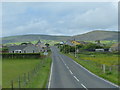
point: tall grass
(11, 69)
(94, 61)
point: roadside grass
(94, 64)
(41, 79)
(107, 42)
(13, 68)
(0, 71)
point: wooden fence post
(28, 77)
(110, 68)
(104, 68)
(24, 79)
(12, 84)
(19, 82)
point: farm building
(115, 47)
(23, 49)
(73, 42)
(99, 50)
(41, 46)
(68, 42)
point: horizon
(60, 35)
(58, 18)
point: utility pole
(75, 52)
(75, 49)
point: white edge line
(84, 86)
(96, 75)
(50, 76)
(76, 78)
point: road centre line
(70, 71)
(84, 86)
(76, 78)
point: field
(51, 42)
(95, 61)
(107, 42)
(12, 69)
(0, 71)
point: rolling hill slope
(90, 36)
(98, 35)
(25, 38)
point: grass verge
(95, 68)
(14, 68)
(41, 79)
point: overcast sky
(58, 18)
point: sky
(58, 18)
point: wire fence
(103, 68)
(23, 80)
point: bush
(21, 55)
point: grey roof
(69, 43)
(18, 47)
(38, 42)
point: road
(66, 73)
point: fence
(103, 68)
(23, 80)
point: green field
(51, 42)
(0, 71)
(94, 61)
(12, 69)
(41, 79)
(106, 42)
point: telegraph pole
(75, 49)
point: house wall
(30, 49)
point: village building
(23, 49)
(73, 42)
(41, 46)
(115, 47)
(27, 48)
(99, 50)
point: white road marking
(76, 78)
(67, 67)
(70, 71)
(50, 76)
(84, 86)
(95, 75)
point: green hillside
(26, 38)
(90, 36)
(98, 35)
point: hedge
(21, 55)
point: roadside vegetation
(95, 64)
(25, 72)
(104, 64)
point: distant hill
(97, 35)
(25, 38)
(90, 36)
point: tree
(91, 47)
(47, 45)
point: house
(73, 42)
(115, 47)
(99, 50)
(68, 42)
(23, 49)
(41, 46)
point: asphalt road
(66, 73)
